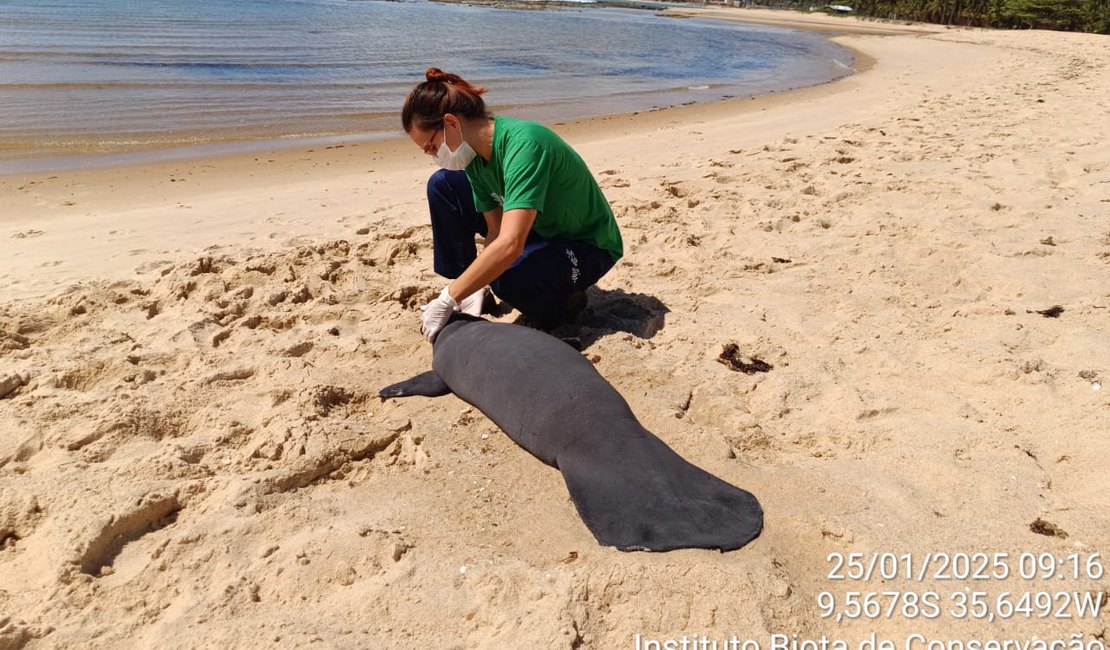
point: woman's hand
(436, 313)
(493, 261)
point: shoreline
(812, 21)
(66, 163)
(57, 202)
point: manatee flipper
(426, 384)
(641, 495)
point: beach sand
(192, 453)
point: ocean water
(90, 76)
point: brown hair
(442, 93)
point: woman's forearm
(495, 259)
(502, 250)
(493, 225)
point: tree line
(1068, 15)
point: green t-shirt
(531, 167)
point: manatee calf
(632, 490)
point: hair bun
(435, 75)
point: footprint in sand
(155, 265)
(674, 188)
(27, 234)
(18, 520)
(154, 512)
(298, 350)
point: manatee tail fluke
(647, 497)
(426, 384)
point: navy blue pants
(538, 283)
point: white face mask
(456, 160)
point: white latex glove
(436, 314)
(472, 304)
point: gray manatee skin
(631, 489)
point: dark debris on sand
(1051, 312)
(1042, 527)
(730, 356)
